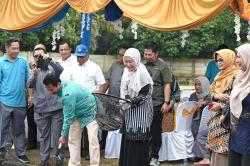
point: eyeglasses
(219, 60)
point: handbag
(168, 122)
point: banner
(86, 26)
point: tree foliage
(202, 42)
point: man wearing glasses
(48, 114)
(32, 128)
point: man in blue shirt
(14, 72)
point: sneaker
(154, 162)
(23, 159)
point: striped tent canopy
(27, 15)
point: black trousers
(134, 153)
(32, 129)
(85, 141)
(155, 132)
(236, 159)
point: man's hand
(35, 71)
(61, 140)
(167, 108)
(30, 102)
(45, 56)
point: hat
(81, 50)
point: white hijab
(133, 81)
(241, 85)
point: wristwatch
(167, 102)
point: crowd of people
(57, 97)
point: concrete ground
(33, 155)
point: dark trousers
(103, 140)
(156, 130)
(85, 142)
(236, 159)
(32, 129)
(134, 153)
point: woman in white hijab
(239, 144)
(137, 86)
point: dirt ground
(33, 155)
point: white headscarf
(133, 81)
(241, 85)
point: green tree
(202, 42)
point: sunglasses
(219, 60)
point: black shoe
(31, 146)
(23, 159)
(44, 163)
(87, 157)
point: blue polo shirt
(13, 77)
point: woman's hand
(222, 119)
(200, 103)
(215, 107)
(221, 97)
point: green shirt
(161, 75)
(78, 104)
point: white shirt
(68, 65)
(89, 74)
